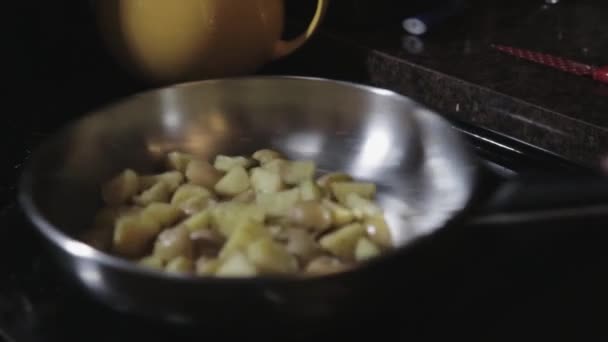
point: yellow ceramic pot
(178, 40)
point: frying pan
(428, 180)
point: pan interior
(423, 171)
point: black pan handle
(541, 198)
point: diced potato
(266, 155)
(227, 163)
(180, 265)
(325, 181)
(310, 214)
(366, 249)
(236, 265)
(271, 257)
(341, 190)
(264, 181)
(278, 204)
(207, 242)
(247, 196)
(298, 171)
(173, 179)
(206, 266)
(159, 192)
(245, 234)
(202, 173)
(339, 214)
(120, 188)
(362, 207)
(277, 166)
(187, 191)
(343, 241)
(99, 237)
(172, 243)
(277, 232)
(226, 216)
(195, 205)
(163, 213)
(179, 160)
(324, 265)
(309, 191)
(198, 221)
(233, 183)
(378, 231)
(302, 244)
(134, 235)
(152, 261)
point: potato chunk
(233, 183)
(264, 181)
(324, 265)
(163, 213)
(298, 171)
(339, 214)
(278, 204)
(309, 191)
(277, 166)
(192, 198)
(265, 155)
(134, 235)
(310, 214)
(206, 266)
(247, 196)
(198, 221)
(343, 241)
(173, 179)
(325, 181)
(202, 173)
(159, 192)
(301, 244)
(227, 163)
(378, 231)
(366, 249)
(362, 207)
(341, 190)
(245, 234)
(172, 243)
(271, 257)
(179, 161)
(120, 188)
(227, 216)
(236, 265)
(180, 265)
(152, 261)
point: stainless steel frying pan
(427, 180)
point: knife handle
(600, 74)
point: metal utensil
(580, 69)
(427, 179)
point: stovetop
(38, 303)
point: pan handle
(545, 198)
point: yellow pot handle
(283, 48)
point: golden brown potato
(159, 192)
(298, 171)
(227, 163)
(339, 214)
(172, 243)
(163, 213)
(226, 216)
(180, 265)
(200, 172)
(179, 161)
(309, 191)
(264, 181)
(271, 257)
(278, 204)
(206, 266)
(325, 265)
(245, 234)
(341, 190)
(236, 265)
(343, 241)
(378, 230)
(310, 214)
(134, 235)
(265, 155)
(121, 188)
(366, 249)
(233, 183)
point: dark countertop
(453, 70)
